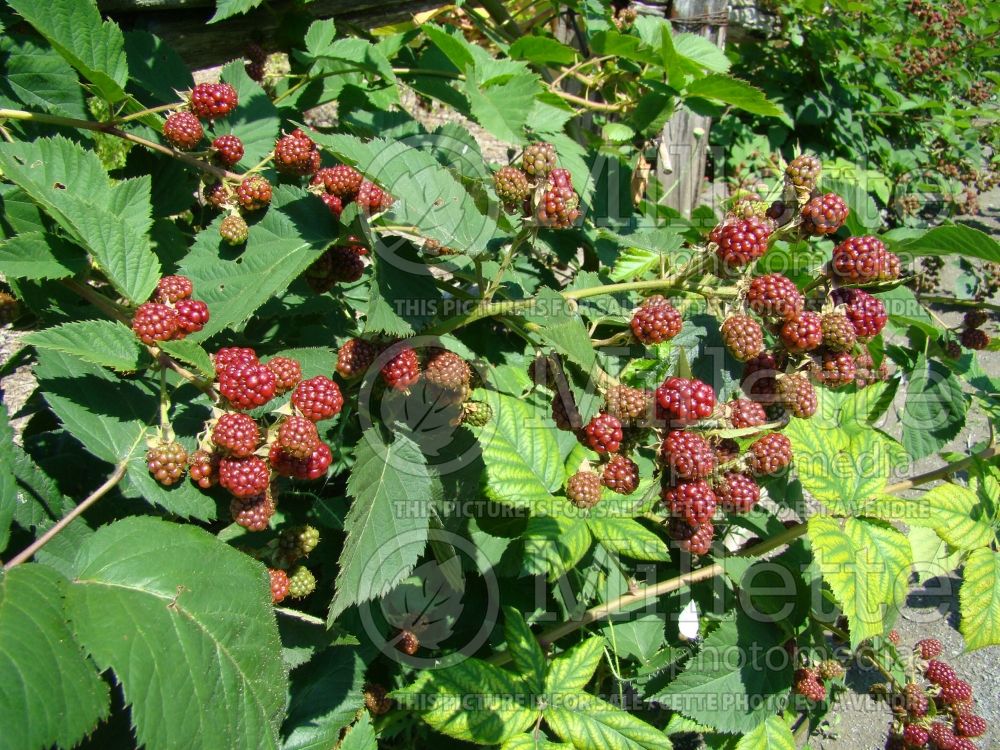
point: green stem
(943, 300)
(148, 111)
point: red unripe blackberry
(830, 669)
(942, 736)
(865, 372)
(236, 434)
(565, 413)
(939, 673)
(797, 395)
(915, 700)
(511, 186)
(866, 258)
(355, 357)
(807, 684)
(621, 475)
(341, 181)
(736, 491)
(173, 288)
(928, 648)
(297, 437)
(253, 193)
(216, 194)
(558, 208)
(154, 322)
(970, 725)
(838, 332)
(228, 150)
(824, 214)
(741, 242)
(279, 585)
(656, 320)
(167, 462)
(346, 265)
(915, 735)
(963, 743)
(956, 692)
(696, 542)
(974, 318)
(244, 477)
(975, 338)
(372, 199)
(742, 336)
(204, 469)
(447, 371)
(183, 131)
(866, 313)
(287, 373)
(313, 467)
(539, 159)
(318, 398)
(246, 385)
(803, 171)
(295, 154)
(252, 513)
(230, 355)
(561, 178)
(604, 434)
(628, 405)
(744, 413)
(770, 454)
(212, 100)
(834, 369)
(334, 203)
(192, 316)
(759, 380)
(583, 489)
(687, 455)
(775, 296)
(684, 400)
(403, 370)
(234, 230)
(407, 642)
(894, 637)
(693, 501)
(802, 333)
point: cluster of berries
(341, 185)
(935, 711)
(207, 101)
(171, 314)
(287, 577)
(539, 188)
(973, 336)
(809, 682)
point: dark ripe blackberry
(797, 395)
(866, 313)
(246, 385)
(742, 336)
(236, 434)
(204, 469)
(244, 477)
(173, 288)
(770, 454)
(862, 259)
(565, 413)
(407, 642)
(583, 489)
(253, 193)
(372, 199)
(759, 379)
(234, 230)
(212, 100)
(741, 242)
(802, 333)
(865, 371)
(287, 373)
(341, 181)
(545, 369)
(297, 437)
(252, 513)
(834, 369)
(192, 316)
(736, 491)
(279, 585)
(603, 434)
(824, 214)
(294, 154)
(621, 475)
(775, 296)
(183, 131)
(228, 150)
(687, 455)
(558, 208)
(629, 405)
(167, 462)
(744, 413)
(346, 264)
(216, 194)
(803, 171)
(511, 186)
(693, 501)
(975, 318)
(726, 451)
(952, 349)
(683, 401)
(447, 371)
(656, 320)
(317, 398)
(355, 357)
(539, 159)
(377, 699)
(975, 338)
(700, 541)
(838, 332)
(153, 322)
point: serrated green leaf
(361, 736)
(863, 216)
(628, 537)
(472, 701)
(886, 558)
(50, 693)
(38, 76)
(388, 520)
(524, 649)
(589, 723)
(931, 555)
(8, 481)
(953, 512)
(228, 8)
(39, 256)
(399, 275)
(934, 410)
(521, 455)
(255, 121)
(979, 600)
(772, 734)
(534, 741)
(142, 610)
(634, 262)
(99, 342)
(503, 108)
(572, 669)
(190, 353)
(553, 545)
(93, 46)
(733, 91)
(542, 49)
(156, 67)
(700, 52)
(562, 327)
(953, 239)
(326, 695)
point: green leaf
(934, 410)
(702, 53)
(361, 736)
(572, 670)
(255, 121)
(617, 132)
(99, 342)
(885, 555)
(524, 649)
(503, 108)
(470, 701)
(629, 538)
(979, 600)
(326, 696)
(554, 545)
(589, 723)
(542, 49)
(864, 216)
(145, 609)
(773, 734)
(931, 555)
(38, 76)
(735, 92)
(562, 327)
(74, 28)
(8, 480)
(228, 8)
(953, 239)
(953, 512)
(388, 520)
(190, 353)
(534, 742)
(40, 255)
(634, 262)
(521, 455)
(905, 310)
(400, 275)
